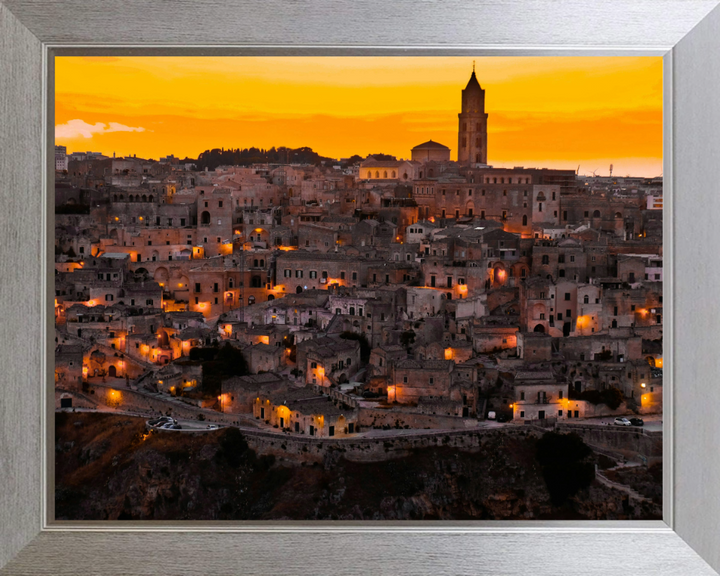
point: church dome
(430, 151)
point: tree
(565, 465)
(219, 364)
(407, 338)
(364, 344)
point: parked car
(621, 421)
(160, 420)
(212, 426)
(503, 418)
(637, 422)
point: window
(546, 259)
(404, 379)
(298, 273)
(522, 395)
(313, 273)
(197, 287)
(567, 295)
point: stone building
(304, 411)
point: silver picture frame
(686, 33)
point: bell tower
(472, 126)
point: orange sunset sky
(554, 112)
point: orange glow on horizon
(554, 112)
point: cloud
(80, 129)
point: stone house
(304, 411)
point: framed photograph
(287, 292)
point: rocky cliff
(107, 467)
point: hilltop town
(344, 297)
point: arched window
(377, 174)
(385, 174)
(144, 198)
(618, 215)
(586, 300)
(205, 218)
(546, 259)
(525, 220)
(150, 198)
(393, 173)
(596, 214)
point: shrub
(611, 397)
(233, 447)
(564, 466)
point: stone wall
(628, 441)
(369, 418)
(361, 449)
(130, 400)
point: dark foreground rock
(108, 468)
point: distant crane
(611, 167)
(594, 173)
